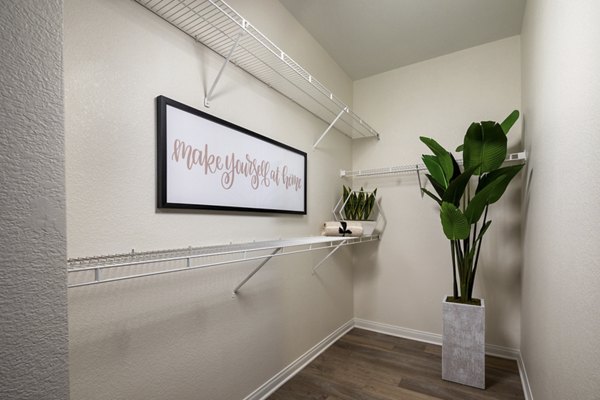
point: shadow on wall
(501, 266)
(528, 172)
(169, 336)
(366, 270)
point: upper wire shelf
(222, 29)
(410, 168)
(102, 269)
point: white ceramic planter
(463, 343)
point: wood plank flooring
(365, 365)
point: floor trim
(398, 331)
(270, 386)
(524, 378)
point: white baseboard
(398, 331)
(434, 338)
(524, 378)
(296, 366)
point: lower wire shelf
(103, 269)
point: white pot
(463, 343)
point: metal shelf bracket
(255, 270)
(336, 248)
(233, 47)
(419, 178)
(345, 109)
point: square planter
(463, 343)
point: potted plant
(358, 206)
(464, 219)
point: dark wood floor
(365, 365)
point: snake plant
(484, 151)
(358, 205)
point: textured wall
(561, 278)
(33, 296)
(183, 336)
(404, 281)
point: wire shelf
(111, 268)
(222, 29)
(411, 168)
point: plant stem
(461, 267)
(464, 279)
(472, 281)
(475, 224)
(455, 287)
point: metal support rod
(328, 255)
(329, 127)
(262, 264)
(419, 178)
(212, 88)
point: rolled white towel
(333, 229)
(356, 229)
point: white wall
(403, 282)
(561, 277)
(33, 293)
(183, 336)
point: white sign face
(205, 162)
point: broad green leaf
(433, 196)
(435, 169)
(434, 146)
(443, 156)
(485, 145)
(456, 173)
(454, 223)
(456, 188)
(460, 148)
(509, 121)
(439, 189)
(508, 172)
(480, 200)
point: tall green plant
(358, 205)
(484, 150)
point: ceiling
(367, 37)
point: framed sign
(205, 162)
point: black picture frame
(281, 186)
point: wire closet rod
(410, 168)
(93, 268)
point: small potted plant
(359, 206)
(464, 219)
